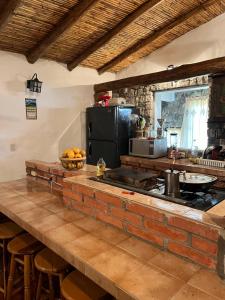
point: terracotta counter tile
(86, 247)
(8, 194)
(33, 214)
(115, 264)
(188, 292)
(138, 248)
(39, 197)
(208, 282)
(89, 224)
(103, 281)
(218, 209)
(19, 207)
(47, 223)
(64, 234)
(148, 283)
(12, 200)
(54, 206)
(201, 216)
(111, 234)
(169, 206)
(174, 265)
(70, 215)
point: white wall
(205, 42)
(61, 108)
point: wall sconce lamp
(34, 85)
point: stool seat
(9, 230)
(47, 261)
(24, 244)
(77, 286)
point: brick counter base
(195, 241)
(50, 173)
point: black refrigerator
(108, 133)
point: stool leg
(39, 287)
(51, 288)
(11, 277)
(27, 277)
(61, 277)
(4, 266)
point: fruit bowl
(72, 163)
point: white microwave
(148, 148)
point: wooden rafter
(7, 12)
(65, 23)
(211, 66)
(152, 37)
(111, 33)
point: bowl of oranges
(73, 158)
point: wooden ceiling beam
(211, 66)
(7, 12)
(111, 33)
(155, 35)
(65, 23)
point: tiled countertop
(125, 266)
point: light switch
(12, 147)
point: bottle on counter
(101, 165)
(194, 152)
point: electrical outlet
(12, 147)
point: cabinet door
(101, 123)
(107, 150)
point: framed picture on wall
(31, 109)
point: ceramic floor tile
(89, 224)
(188, 292)
(111, 235)
(70, 215)
(174, 265)
(64, 234)
(33, 214)
(138, 248)
(148, 283)
(87, 247)
(115, 264)
(208, 282)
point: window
(186, 114)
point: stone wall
(143, 96)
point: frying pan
(195, 182)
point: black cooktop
(198, 200)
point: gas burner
(203, 200)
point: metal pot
(195, 182)
(172, 186)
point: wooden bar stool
(77, 286)
(47, 262)
(22, 249)
(8, 231)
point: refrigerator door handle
(89, 129)
(89, 149)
